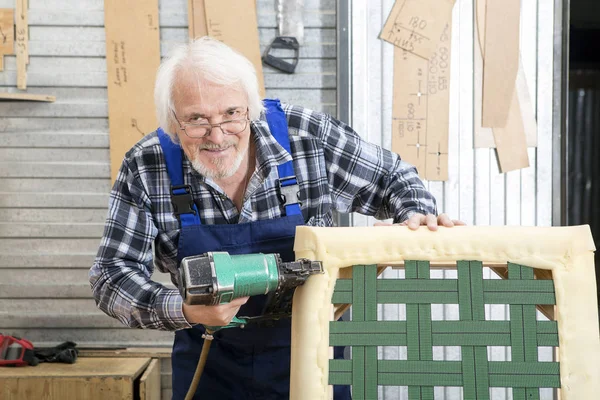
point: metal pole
(560, 128)
(344, 73)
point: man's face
(216, 156)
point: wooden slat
(234, 23)
(196, 19)
(21, 42)
(7, 30)
(27, 96)
(501, 60)
(132, 58)
(150, 388)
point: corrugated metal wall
(583, 164)
(475, 192)
(54, 162)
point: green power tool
(218, 277)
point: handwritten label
(415, 25)
(439, 65)
(22, 45)
(215, 29)
(151, 23)
(120, 61)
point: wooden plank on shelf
(27, 97)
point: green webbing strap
(418, 329)
(523, 335)
(476, 383)
(364, 358)
(419, 334)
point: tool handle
(235, 323)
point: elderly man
(210, 179)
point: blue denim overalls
(254, 362)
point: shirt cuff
(169, 310)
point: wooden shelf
(27, 97)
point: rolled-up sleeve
(368, 179)
(121, 274)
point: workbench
(93, 378)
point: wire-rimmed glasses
(196, 130)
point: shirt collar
(268, 151)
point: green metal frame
(523, 333)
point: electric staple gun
(218, 278)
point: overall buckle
(288, 191)
(183, 203)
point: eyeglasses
(196, 130)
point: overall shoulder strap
(288, 185)
(181, 194)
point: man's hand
(219, 315)
(430, 220)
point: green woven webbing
(419, 333)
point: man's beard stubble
(218, 170)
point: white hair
(210, 60)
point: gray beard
(219, 172)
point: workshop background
(55, 166)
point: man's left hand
(430, 220)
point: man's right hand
(220, 315)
